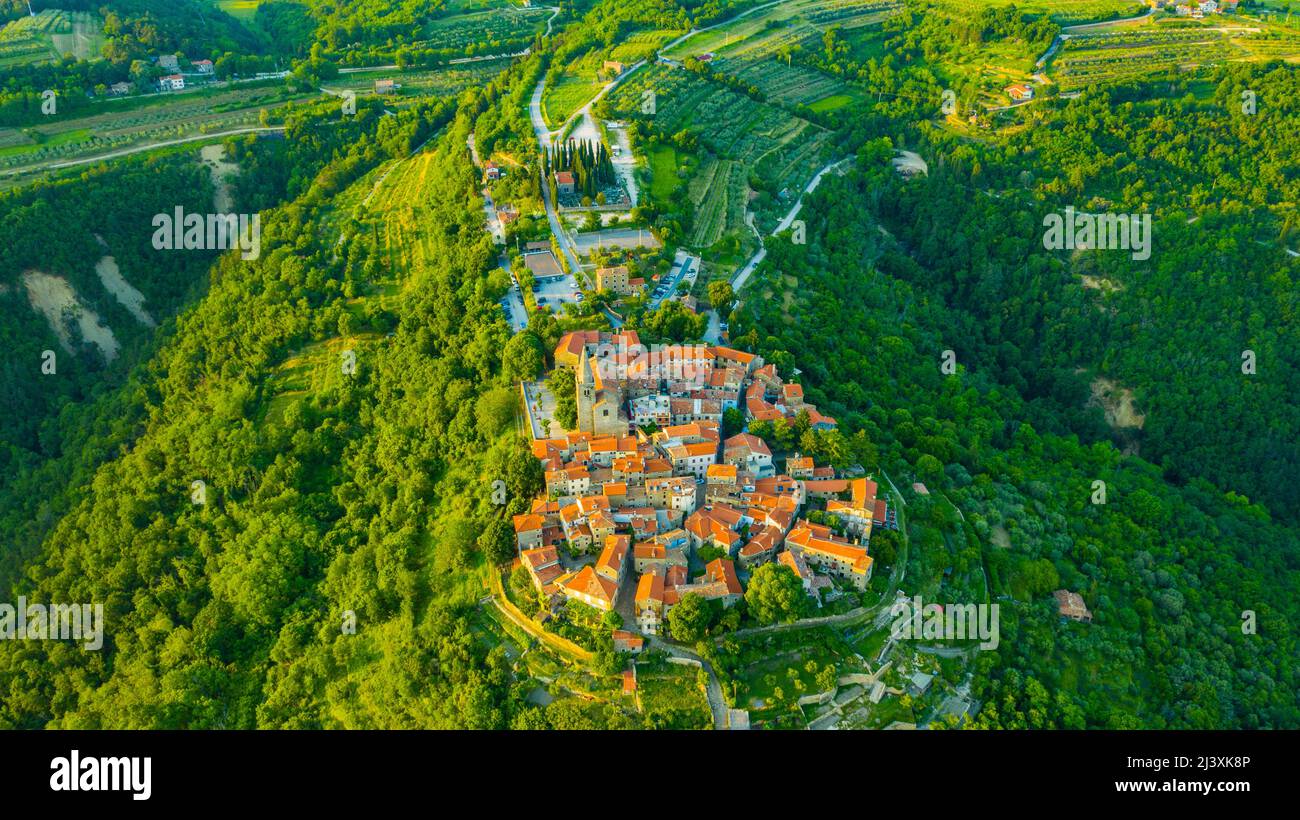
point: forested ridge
(368, 496)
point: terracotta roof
(588, 582)
(527, 522)
(650, 588)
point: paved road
(513, 302)
(545, 139)
(742, 276)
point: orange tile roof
(650, 588)
(616, 548)
(586, 581)
(527, 522)
(724, 570)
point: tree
(775, 594)
(721, 295)
(733, 421)
(497, 541)
(523, 359)
(689, 620)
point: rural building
(203, 66)
(172, 82)
(168, 62)
(491, 170)
(1020, 92)
(1070, 605)
(564, 182)
(386, 86)
(119, 89)
(614, 280)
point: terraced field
(739, 137)
(642, 45)
(1066, 12)
(781, 148)
(448, 80)
(1118, 55)
(784, 83)
(782, 27)
(719, 192)
(502, 28)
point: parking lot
(552, 287)
(512, 304)
(685, 268)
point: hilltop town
(669, 502)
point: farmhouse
(386, 86)
(203, 66)
(1070, 605)
(168, 62)
(172, 82)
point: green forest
(283, 488)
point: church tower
(586, 395)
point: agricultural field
(1119, 55)
(781, 150)
(50, 35)
(776, 30)
(719, 192)
(242, 10)
(788, 84)
(124, 123)
(486, 32)
(450, 80)
(1065, 12)
(119, 124)
(570, 90)
(642, 45)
